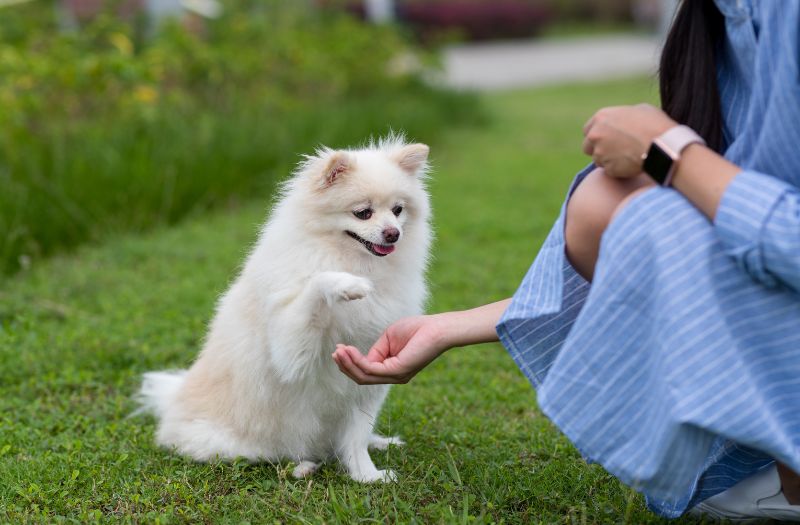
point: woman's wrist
(702, 176)
(468, 327)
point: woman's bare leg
(790, 483)
(590, 210)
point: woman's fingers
(379, 350)
(588, 146)
(347, 366)
(353, 364)
(344, 368)
(372, 370)
(366, 366)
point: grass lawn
(76, 333)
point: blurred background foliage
(115, 126)
(433, 21)
(110, 122)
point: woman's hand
(405, 348)
(618, 137)
(408, 345)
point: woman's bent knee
(628, 198)
(590, 210)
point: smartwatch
(661, 160)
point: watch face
(657, 163)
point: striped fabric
(678, 369)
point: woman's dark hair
(688, 72)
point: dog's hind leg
(304, 318)
(352, 451)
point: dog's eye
(363, 214)
(397, 210)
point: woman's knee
(590, 210)
(627, 199)
(590, 206)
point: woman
(670, 351)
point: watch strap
(672, 142)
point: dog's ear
(412, 158)
(338, 164)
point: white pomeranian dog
(342, 256)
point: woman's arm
(410, 344)
(470, 327)
(618, 137)
(703, 176)
(757, 216)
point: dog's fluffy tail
(158, 391)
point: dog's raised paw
(351, 287)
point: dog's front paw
(382, 476)
(349, 287)
(304, 469)
(388, 476)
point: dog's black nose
(391, 235)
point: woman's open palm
(404, 349)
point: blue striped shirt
(678, 368)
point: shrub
(103, 132)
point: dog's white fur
(265, 386)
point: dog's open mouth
(381, 250)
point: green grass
(77, 332)
(575, 29)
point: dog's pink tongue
(383, 250)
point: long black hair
(687, 73)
